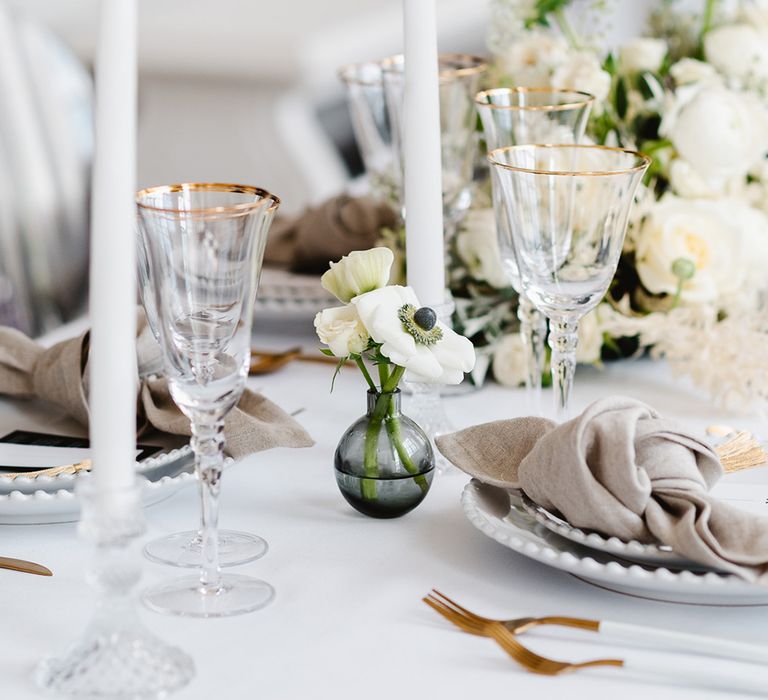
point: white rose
(739, 51)
(359, 272)
(691, 70)
(755, 12)
(720, 133)
(582, 71)
(642, 54)
(341, 330)
(590, 338)
(509, 361)
(702, 233)
(478, 247)
(687, 182)
(443, 362)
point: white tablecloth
(348, 622)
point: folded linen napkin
(620, 469)
(326, 232)
(59, 375)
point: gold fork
(635, 634)
(506, 640)
(51, 471)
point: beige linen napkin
(59, 375)
(620, 469)
(326, 232)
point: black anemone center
(425, 318)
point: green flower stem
(709, 11)
(565, 28)
(396, 438)
(370, 451)
(366, 373)
(382, 414)
(383, 374)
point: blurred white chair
(46, 144)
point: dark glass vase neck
(392, 400)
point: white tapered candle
(421, 151)
(113, 251)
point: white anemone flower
(359, 272)
(443, 361)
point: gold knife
(26, 567)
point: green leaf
(621, 103)
(327, 352)
(336, 372)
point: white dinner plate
(166, 474)
(499, 514)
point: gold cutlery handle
(25, 567)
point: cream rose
(719, 132)
(755, 12)
(509, 361)
(341, 330)
(357, 273)
(740, 52)
(642, 54)
(702, 237)
(478, 247)
(532, 57)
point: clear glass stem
(533, 331)
(563, 339)
(208, 445)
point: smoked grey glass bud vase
(384, 462)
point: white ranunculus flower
(582, 71)
(590, 338)
(477, 246)
(691, 70)
(740, 52)
(509, 361)
(341, 330)
(359, 272)
(707, 235)
(444, 362)
(642, 54)
(719, 132)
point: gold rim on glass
(348, 73)
(645, 160)
(476, 65)
(482, 98)
(233, 209)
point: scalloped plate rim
(678, 586)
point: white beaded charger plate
(288, 292)
(500, 515)
(165, 474)
(658, 555)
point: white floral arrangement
(693, 93)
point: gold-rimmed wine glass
(567, 208)
(520, 115)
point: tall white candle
(113, 252)
(422, 159)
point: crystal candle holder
(425, 404)
(116, 656)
